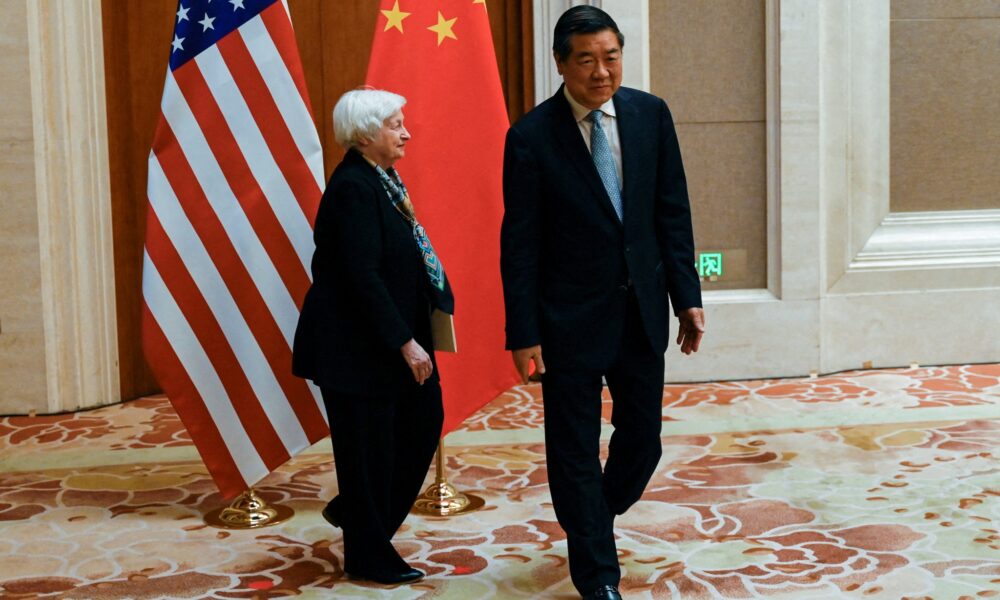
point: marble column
(69, 125)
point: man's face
(593, 70)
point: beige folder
(443, 331)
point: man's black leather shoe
(331, 514)
(395, 578)
(605, 592)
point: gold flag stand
(441, 499)
(249, 511)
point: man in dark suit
(596, 235)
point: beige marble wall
(707, 60)
(58, 348)
(22, 335)
(945, 78)
(857, 284)
(74, 203)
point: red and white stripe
(235, 177)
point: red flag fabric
(235, 179)
(439, 55)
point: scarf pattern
(393, 185)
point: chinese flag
(439, 55)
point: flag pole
(249, 511)
(441, 499)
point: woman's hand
(418, 360)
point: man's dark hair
(581, 19)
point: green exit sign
(709, 264)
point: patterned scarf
(401, 201)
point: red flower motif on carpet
(844, 559)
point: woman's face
(388, 144)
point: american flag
(235, 178)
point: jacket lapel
(569, 137)
(629, 133)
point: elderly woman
(364, 335)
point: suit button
(628, 248)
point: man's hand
(525, 355)
(418, 360)
(692, 328)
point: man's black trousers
(587, 498)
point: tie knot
(595, 117)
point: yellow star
(443, 28)
(394, 18)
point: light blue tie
(600, 151)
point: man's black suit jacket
(370, 290)
(567, 261)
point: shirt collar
(580, 111)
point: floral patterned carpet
(869, 484)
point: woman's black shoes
(332, 513)
(389, 578)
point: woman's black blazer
(370, 291)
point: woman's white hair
(359, 114)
